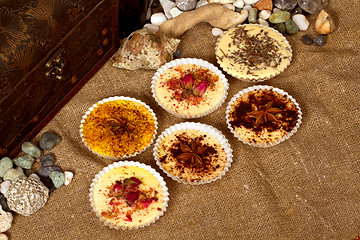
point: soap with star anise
(193, 153)
(263, 116)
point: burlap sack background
(305, 188)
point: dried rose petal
(131, 197)
(200, 89)
(135, 180)
(128, 217)
(187, 82)
(132, 182)
(146, 203)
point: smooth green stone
(279, 17)
(28, 172)
(291, 27)
(25, 161)
(48, 140)
(253, 15)
(31, 149)
(280, 27)
(58, 178)
(5, 164)
(13, 174)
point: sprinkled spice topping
(264, 109)
(119, 127)
(257, 51)
(193, 158)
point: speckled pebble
(45, 171)
(58, 178)
(49, 140)
(5, 164)
(31, 149)
(252, 15)
(279, 17)
(13, 174)
(291, 27)
(25, 161)
(320, 40)
(264, 14)
(307, 39)
(47, 160)
(280, 27)
(68, 177)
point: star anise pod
(192, 153)
(119, 126)
(265, 114)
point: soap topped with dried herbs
(253, 52)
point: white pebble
(167, 5)
(3, 237)
(239, 3)
(264, 14)
(152, 27)
(175, 12)
(301, 22)
(247, 7)
(217, 32)
(33, 175)
(276, 10)
(229, 6)
(68, 177)
(250, 1)
(201, 3)
(4, 187)
(263, 22)
(158, 18)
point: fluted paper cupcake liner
(121, 164)
(253, 79)
(198, 62)
(260, 87)
(203, 128)
(114, 99)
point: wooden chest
(48, 50)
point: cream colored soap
(150, 185)
(253, 52)
(192, 105)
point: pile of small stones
(25, 190)
(286, 16)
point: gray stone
(13, 174)
(58, 178)
(47, 160)
(285, 4)
(3, 203)
(25, 161)
(27, 195)
(311, 6)
(48, 140)
(291, 27)
(279, 17)
(320, 40)
(5, 164)
(33, 175)
(45, 171)
(186, 5)
(253, 15)
(31, 149)
(307, 39)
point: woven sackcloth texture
(304, 188)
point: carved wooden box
(48, 50)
